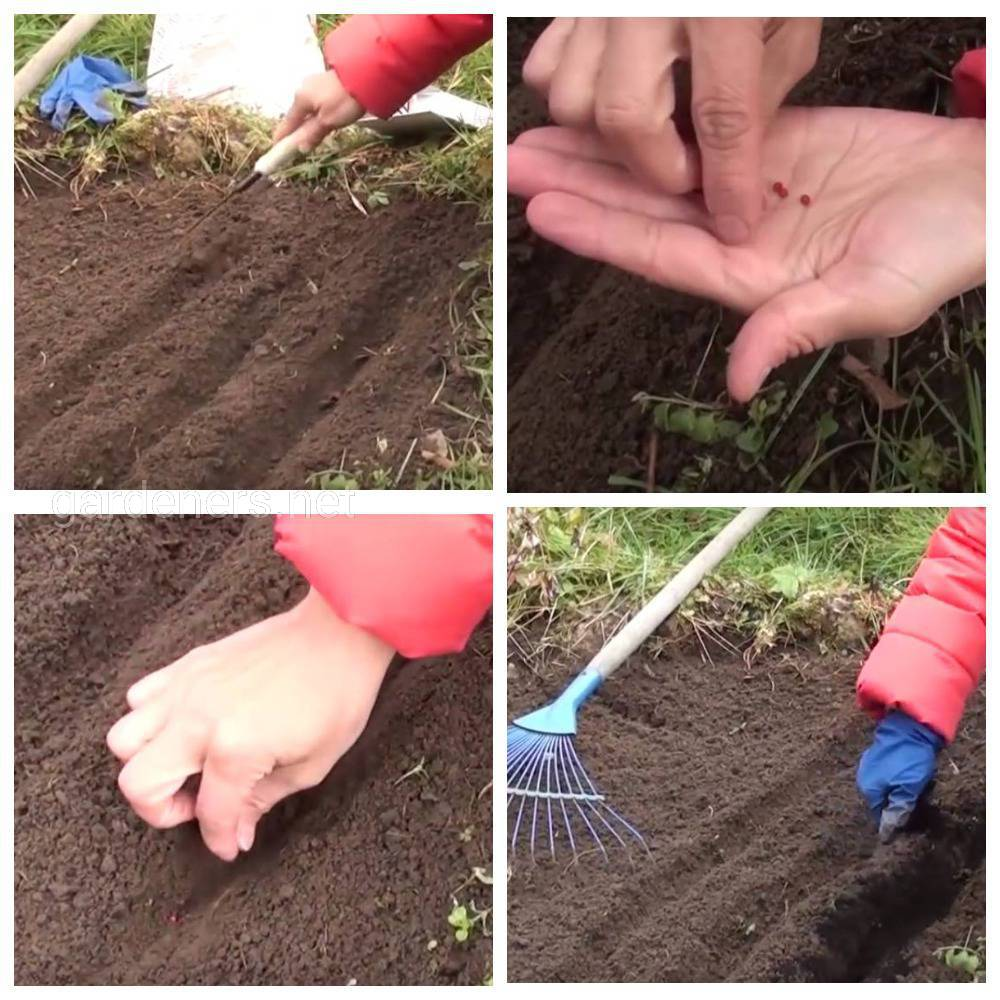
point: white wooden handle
(279, 155)
(56, 48)
(642, 626)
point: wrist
(899, 721)
(361, 647)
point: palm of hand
(887, 194)
(895, 227)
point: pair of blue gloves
(896, 770)
(83, 84)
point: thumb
(800, 320)
(894, 818)
(234, 766)
(726, 65)
(268, 792)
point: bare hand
(895, 226)
(616, 74)
(261, 714)
(321, 105)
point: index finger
(635, 102)
(152, 781)
(726, 65)
(302, 110)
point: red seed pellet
(806, 200)
(776, 187)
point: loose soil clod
(349, 881)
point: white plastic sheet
(257, 61)
(251, 58)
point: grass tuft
(802, 572)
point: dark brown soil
(585, 338)
(763, 865)
(286, 336)
(349, 881)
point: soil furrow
(743, 783)
(197, 361)
(348, 881)
(70, 363)
(283, 389)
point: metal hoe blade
(244, 185)
(551, 799)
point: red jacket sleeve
(969, 84)
(421, 583)
(384, 59)
(932, 651)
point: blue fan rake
(551, 799)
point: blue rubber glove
(896, 769)
(83, 83)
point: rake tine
(522, 766)
(628, 826)
(579, 808)
(534, 826)
(525, 768)
(594, 791)
(562, 805)
(546, 769)
(548, 800)
(530, 769)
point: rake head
(551, 799)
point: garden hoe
(548, 788)
(279, 155)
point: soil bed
(350, 881)
(288, 334)
(764, 865)
(585, 338)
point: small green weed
(964, 959)
(464, 920)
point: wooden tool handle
(57, 47)
(279, 155)
(633, 634)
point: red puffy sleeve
(421, 583)
(969, 84)
(384, 59)
(932, 651)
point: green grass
(459, 167)
(573, 565)
(934, 441)
(123, 37)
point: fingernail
(244, 835)
(732, 229)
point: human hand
(896, 226)
(321, 105)
(896, 769)
(261, 714)
(616, 74)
